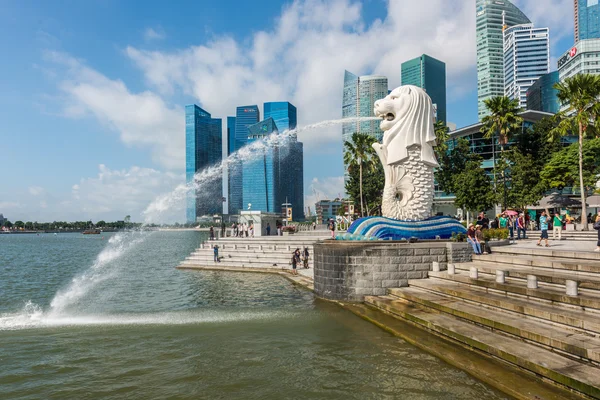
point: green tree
(563, 169)
(473, 189)
(19, 224)
(526, 186)
(580, 94)
(373, 183)
(101, 224)
(359, 153)
(441, 138)
(452, 163)
(8, 224)
(29, 225)
(502, 122)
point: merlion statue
(407, 153)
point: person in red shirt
(521, 227)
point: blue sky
(92, 94)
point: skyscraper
(245, 116)
(429, 74)
(203, 148)
(360, 94)
(526, 58)
(490, 44)
(291, 176)
(587, 19)
(229, 148)
(542, 96)
(261, 173)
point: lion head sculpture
(407, 114)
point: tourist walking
(597, 228)
(216, 253)
(521, 227)
(480, 240)
(295, 261)
(556, 227)
(305, 256)
(544, 229)
(212, 233)
(472, 240)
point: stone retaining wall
(348, 271)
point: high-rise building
(587, 19)
(542, 96)
(291, 168)
(203, 148)
(229, 148)
(572, 61)
(429, 74)
(244, 117)
(359, 97)
(526, 58)
(490, 45)
(261, 173)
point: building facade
(327, 209)
(244, 117)
(526, 58)
(490, 46)
(203, 148)
(429, 74)
(583, 58)
(542, 96)
(291, 156)
(587, 19)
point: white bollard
(572, 288)
(532, 282)
(435, 266)
(451, 270)
(500, 276)
(473, 273)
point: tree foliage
(452, 163)
(525, 185)
(473, 187)
(373, 183)
(360, 155)
(503, 120)
(563, 167)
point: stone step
(574, 374)
(569, 264)
(585, 280)
(242, 249)
(578, 344)
(243, 263)
(557, 313)
(519, 287)
(548, 252)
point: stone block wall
(348, 271)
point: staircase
(513, 305)
(266, 252)
(567, 235)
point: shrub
(289, 228)
(495, 234)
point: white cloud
(327, 188)
(141, 119)
(36, 190)
(9, 205)
(558, 15)
(303, 57)
(154, 34)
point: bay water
(109, 317)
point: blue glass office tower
(203, 148)
(291, 167)
(244, 117)
(587, 20)
(429, 74)
(542, 96)
(261, 174)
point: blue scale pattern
(374, 228)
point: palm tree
(360, 153)
(441, 138)
(503, 121)
(580, 94)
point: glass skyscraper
(244, 117)
(291, 167)
(261, 174)
(490, 45)
(526, 58)
(587, 20)
(542, 96)
(429, 74)
(203, 148)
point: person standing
(544, 229)
(251, 230)
(503, 221)
(511, 227)
(223, 229)
(278, 228)
(216, 253)
(314, 224)
(597, 227)
(521, 227)
(268, 229)
(212, 233)
(295, 260)
(332, 228)
(472, 240)
(305, 256)
(556, 227)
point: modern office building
(542, 96)
(327, 209)
(244, 117)
(526, 58)
(261, 173)
(203, 148)
(291, 159)
(583, 58)
(429, 74)
(587, 19)
(229, 148)
(358, 100)
(490, 46)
